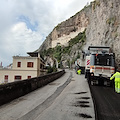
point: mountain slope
(101, 19)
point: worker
(79, 72)
(117, 80)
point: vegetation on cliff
(101, 20)
(58, 51)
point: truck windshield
(103, 59)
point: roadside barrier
(13, 90)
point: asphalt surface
(74, 102)
(107, 103)
(67, 98)
(29, 106)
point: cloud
(24, 24)
(18, 41)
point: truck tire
(89, 78)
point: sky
(24, 24)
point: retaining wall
(16, 89)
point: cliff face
(104, 26)
(102, 22)
(66, 30)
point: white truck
(99, 65)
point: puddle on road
(83, 115)
(80, 102)
(84, 98)
(80, 93)
(82, 105)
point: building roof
(33, 54)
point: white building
(23, 68)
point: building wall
(12, 73)
(21, 69)
(24, 61)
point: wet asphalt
(106, 102)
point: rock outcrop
(104, 25)
(101, 19)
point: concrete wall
(16, 89)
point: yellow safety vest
(79, 71)
(116, 76)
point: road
(67, 98)
(74, 103)
(107, 103)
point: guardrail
(16, 89)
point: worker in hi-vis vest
(79, 71)
(117, 80)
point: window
(6, 78)
(19, 64)
(29, 77)
(102, 59)
(18, 77)
(29, 64)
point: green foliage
(57, 53)
(68, 62)
(58, 50)
(50, 51)
(79, 38)
(66, 50)
(78, 55)
(47, 52)
(51, 69)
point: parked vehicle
(99, 65)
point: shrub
(51, 69)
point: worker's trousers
(117, 86)
(79, 73)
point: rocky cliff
(104, 25)
(101, 19)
